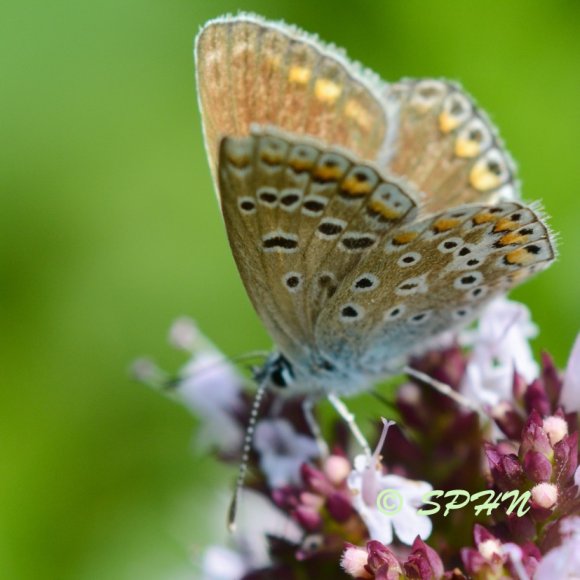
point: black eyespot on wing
(268, 197)
(363, 283)
(289, 199)
(314, 206)
(330, 228)
(280, 242)
(464, 251)
(349, 312)
(358, 243)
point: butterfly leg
(308, 410)
(446, 390)
(348, 417)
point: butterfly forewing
(447, 147)
(252, 71)
(300, 218)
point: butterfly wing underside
(299, 218)
(447, 147)
(250, 71)
(431, 276)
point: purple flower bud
(381, 558)
(536, 399)
(537, 467)
(315, 480)
(339, 506)
(534, 437)
(551, 379)
(519, 387)
(308, 518)
(423, 563)
(505, 469)
(566, 458)
(508, 419)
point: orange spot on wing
(299, 75)
(327, 91)
(325, 173)
(404, 238)
(379, 208)
(505, 225)
(519, 257)
(512, 238)
(483, 218)
(354, 187)
(445, 224)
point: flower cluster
(509, 429)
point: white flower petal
(221, 563)
(409, 524)
(282, 451)
(500, 345)
(570, 397)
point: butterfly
(365, 218)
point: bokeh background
(110, 230)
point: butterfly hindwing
(447, 147)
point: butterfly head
(277, 372)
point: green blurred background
(110, 230)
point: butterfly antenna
(243, 469)
(445, 390)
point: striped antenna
(245, 456)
